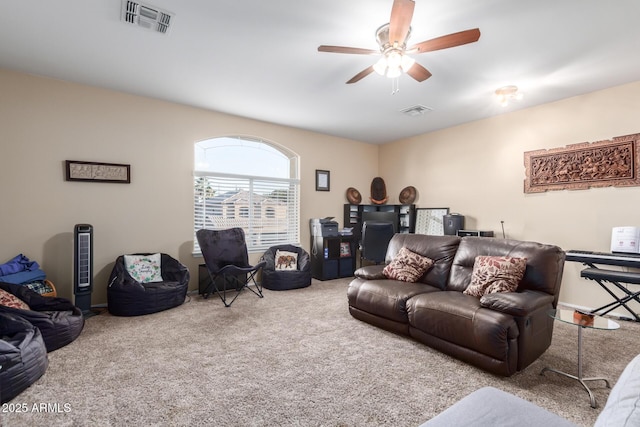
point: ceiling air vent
(416, 110)
(146, 16)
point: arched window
(248, 183)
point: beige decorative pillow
(286, 260)
(495, 274)
(9, 300)
(407, 266)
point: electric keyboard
(608, 258)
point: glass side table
(589, 321)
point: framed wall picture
(97, 172)
(345, 249)
(430, 221)
(323, 182)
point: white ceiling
(259, 59)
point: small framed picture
(323, 182)
(345, 249)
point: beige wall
(44, 122)
(477, 169)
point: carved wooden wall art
(580, 166)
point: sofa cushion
(385, 298)
(407, 266)
(623, 405)
(441, 249)
(545, 263)
(495, 274)
(461, 320)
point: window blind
(266, 208)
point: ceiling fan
(392, 39)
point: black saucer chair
(227, 261)
(128, 297)
(59, 321)
(280, 280)
(23, 355)
(375, 241)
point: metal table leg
(580, 378)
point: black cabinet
(402, 216)
(332, 257)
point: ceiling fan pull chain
(395, 85)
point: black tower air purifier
(452, 223)
(83, 267)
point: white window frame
(280, 217)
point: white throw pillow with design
(144, 268)
(286, 261)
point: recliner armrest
(516, 303)
(370, 272)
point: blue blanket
(17, 264)
(24, 277)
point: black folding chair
(227, 260)
(375, 240)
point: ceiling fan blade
(418, 72)
(345, 49)
(401, 15)
(362, 74)
(444, 42)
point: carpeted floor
(293, 358)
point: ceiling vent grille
(416, 110)
(146, 16)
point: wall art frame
(608, 163)
(76, 170)
(323, 180)
(430, 221)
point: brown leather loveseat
(500, 332)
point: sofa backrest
(545, 263)
(440, 249)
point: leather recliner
(500, 332)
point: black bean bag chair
(23, 355)
(128, 297)
(59, 321)
(280, 280)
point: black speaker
(452, 223)
(83, 266)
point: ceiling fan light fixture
(394, 59)
(393, 72)
(509, 93)
(380, 66)
(393, 64)
(406, 63)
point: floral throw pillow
(495, 274)
(144, 268)
(407, 266)
(9, 300)
(286, 260)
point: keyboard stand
(614, 278)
